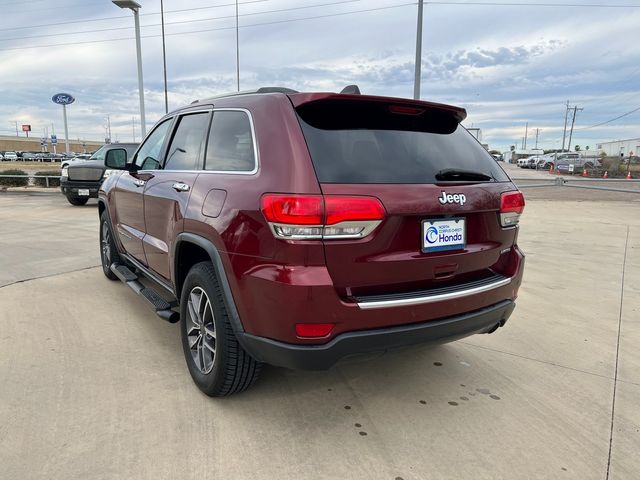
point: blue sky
(507, 65)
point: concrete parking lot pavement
(93, 384)
(43, 234)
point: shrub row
(23, 181)
(42, 182)
(13, 182)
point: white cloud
(506, 65)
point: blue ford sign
(63, 99)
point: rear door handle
(139, 183)
(181, 187)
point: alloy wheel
(201, 332)
(106, 245)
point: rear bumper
(70, 187)
(320, 357)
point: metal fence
(31, 179)
(587, 183)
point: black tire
(107, 255)
(232, 369)
(77, 201)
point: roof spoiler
(400, 105)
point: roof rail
(249, 92)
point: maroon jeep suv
(295, 229)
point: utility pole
(566, 116)
(17, 135)
(573, 121)
(164, 62)
(418, 65)
(53, 132)
(537, 133)
(526, 134)
(109, 128)
(237, 48)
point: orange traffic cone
(584, 172)
(629, 175)
(606, 174)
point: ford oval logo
(63, 99)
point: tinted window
(369, 144)
(185, 151)
(230, 146)
(148, 157)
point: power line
(611, 120)
(210, 29)
(452, 3)
(111, 29)
(72, 6)
(126, 16)
(532, 4)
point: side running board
(162, 308)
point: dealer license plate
(439, 235)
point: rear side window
(187, 145)
(352, 143)
(230, 147)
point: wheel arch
(190, 249)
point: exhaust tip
(494, 328)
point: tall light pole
(237, 48)
(164, 60)
(418, 66)
(135, 8)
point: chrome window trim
(434, 298)
(256, 150)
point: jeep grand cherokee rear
(298, 229)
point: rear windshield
(373, 145)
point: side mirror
(116, 159)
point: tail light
(313, 217)
(511, 207)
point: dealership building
(13, 143)
(617, 147)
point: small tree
(577, 148)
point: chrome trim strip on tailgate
(434, 298)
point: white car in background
(83, 157)
(11, 156)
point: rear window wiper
(457, 175)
